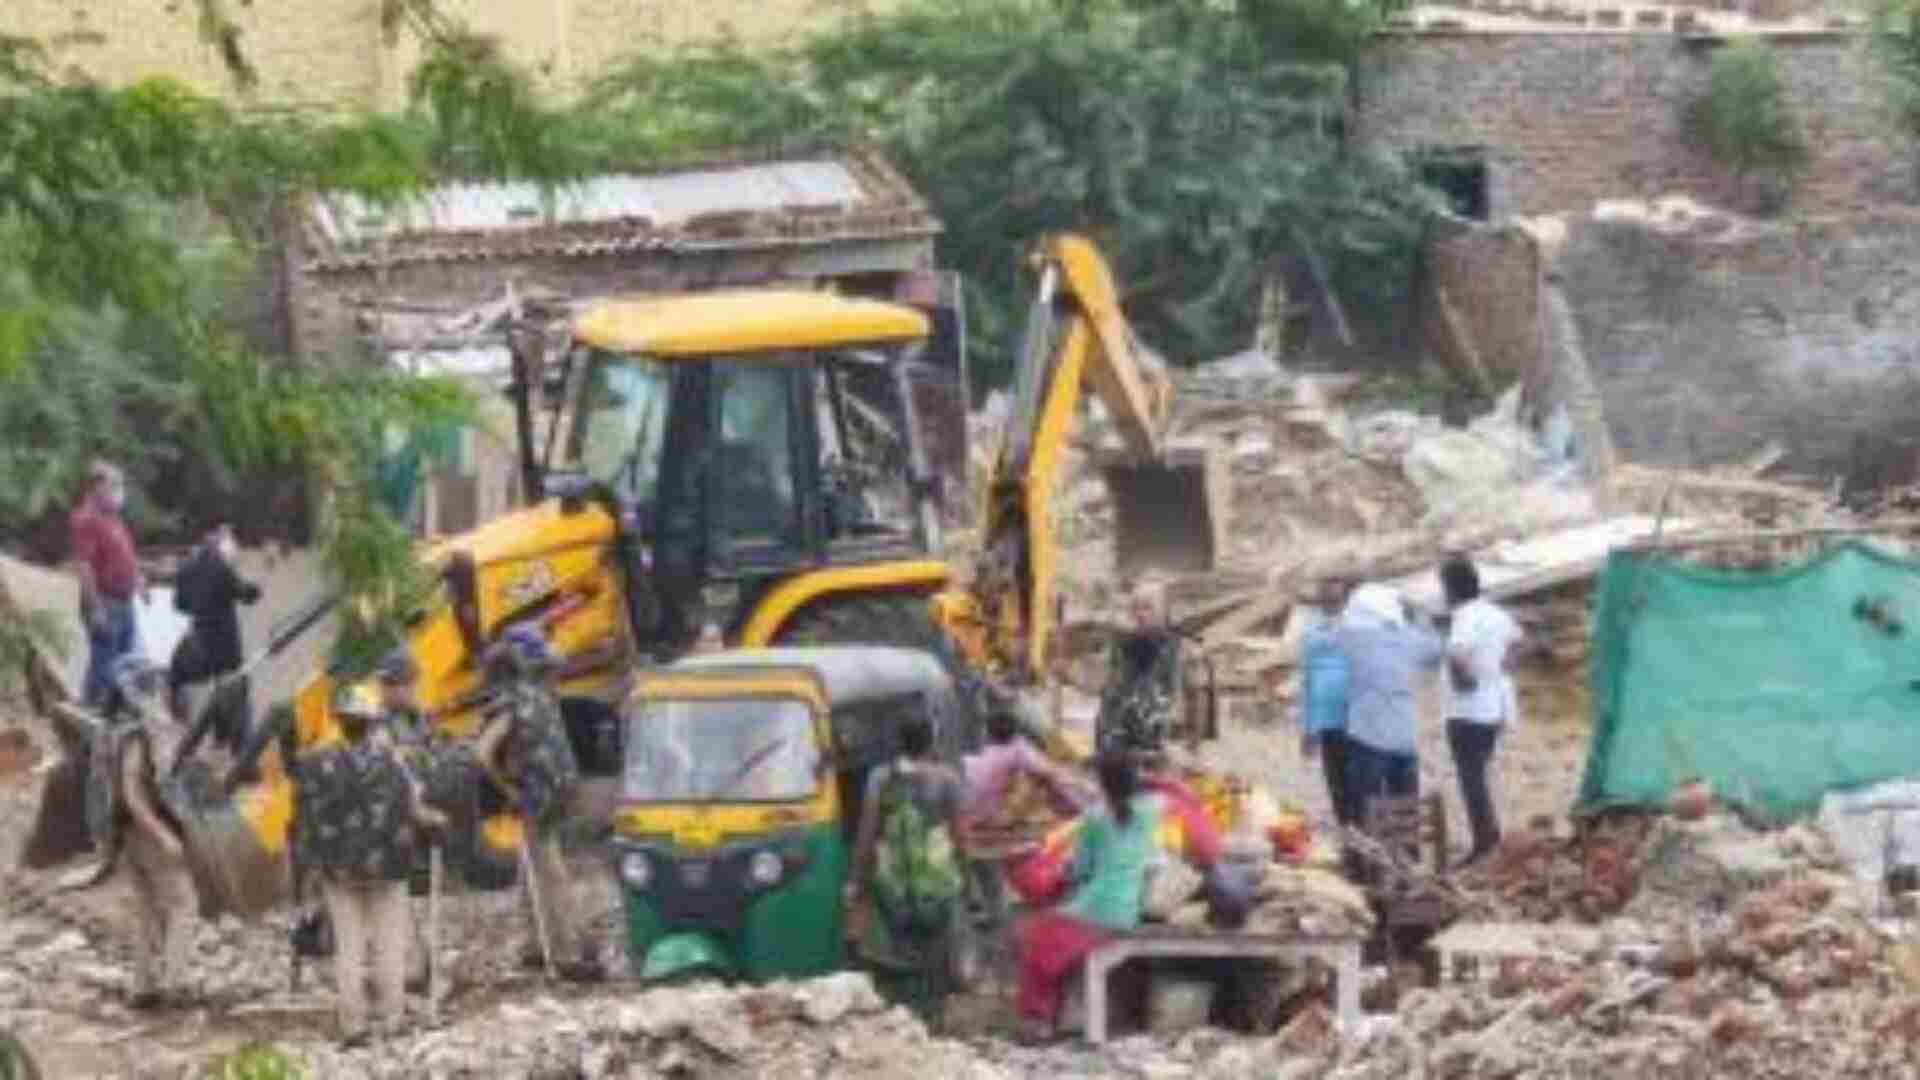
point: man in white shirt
(1480, 698)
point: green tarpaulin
(397, 475)
(1774, 687)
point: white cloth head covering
(1373, 604)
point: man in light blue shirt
(1387, 651)
(1323, 700)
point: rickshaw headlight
(635, 870)
(764, 869)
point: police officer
(126, 816)
(525, 747)
(398, 675)
(1143, 701)
(360, 822)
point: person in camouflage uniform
(1144, 697)
(359, 823)
(127, 816)
(445, 776)
(525, 747)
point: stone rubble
(1722, 951)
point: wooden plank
(1276, 604)
(1711, 484)
(1463, 341)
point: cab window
(752, 473)
(864, 465)
(620, 423)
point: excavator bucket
(1170, 515)
(236, 846)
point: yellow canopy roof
(744, 321)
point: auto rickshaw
(744, 775)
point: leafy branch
(1746, 122)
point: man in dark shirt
(208, 591)
(1143, 703)
(108, 567)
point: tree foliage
(1746, 122)
(1896, 38)
(131, 220)
(1198, 142)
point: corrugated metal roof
(816, 200)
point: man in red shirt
(109, 571)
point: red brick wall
(1491, 278)
(1572, 118)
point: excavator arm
(1076, 338)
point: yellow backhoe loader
(759, 461)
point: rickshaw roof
(850, 674)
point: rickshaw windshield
(751, 750)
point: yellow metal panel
(781, 604)
(744, 321)
(1043, 467)
(1137, 397)
(267, 807)
(532, 530)
(787, 682)
(700, 827)
(957, 612)
(503, 832)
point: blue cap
(397, 667)
(521, 650)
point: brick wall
(1571, 118)
(1489, 276)
(1708, 343)
(332, 51)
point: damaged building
(1708, 335)
(429, 285)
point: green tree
(129, 220)
(1197, 142)
(1746, 122)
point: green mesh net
(1774, 687)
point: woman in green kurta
(1115, 843)
(907, 860)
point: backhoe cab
(771, 462)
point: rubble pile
(1797, 978)
(1320, 489)
(1536, 877)
(835, 1025)
(1315, 903)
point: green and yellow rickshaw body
(735, 826)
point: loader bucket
(237, 846)
(1170, 515)
(60, 828)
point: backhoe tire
(892, 618)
